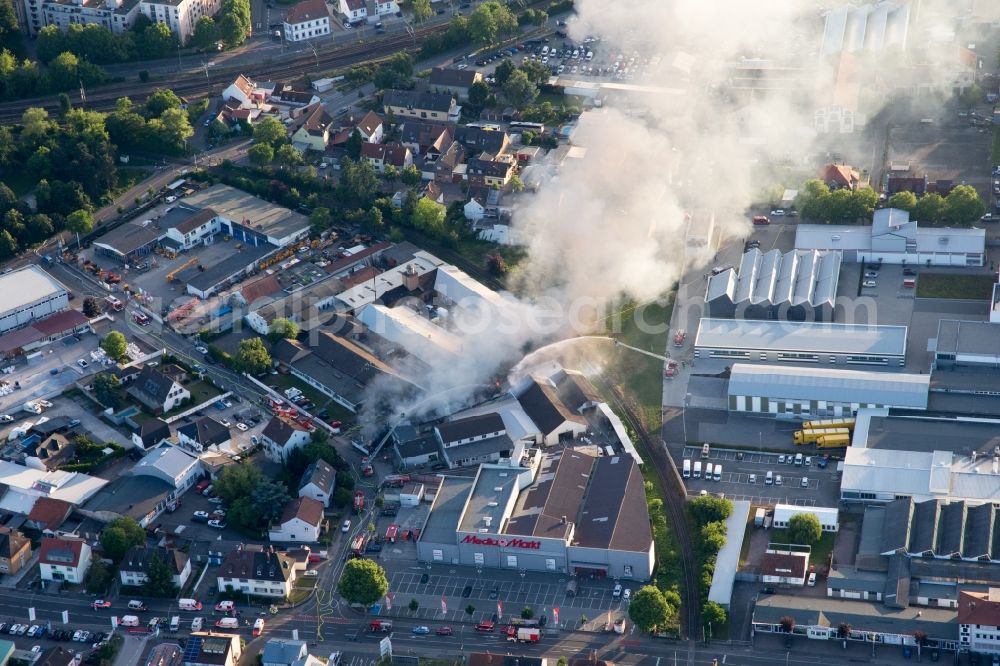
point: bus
(845, 422)
(538, 128)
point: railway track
(674, 498)
(192, 83)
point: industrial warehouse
(565, 511)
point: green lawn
(955, 285)
(821, 551)
(202, 391)
(645, 327)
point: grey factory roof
(850, 578)
(447, 510)
(131, 496)
(861, 615)
(470, 427)
(799, 277)
(942, 528)
(614, 514)
(267, 218)
(558, 494)
(914, 433)
(130, 236)
(239, 260)
(969, 338)
(26, 285)
(849, 386)
(821, 337)
(501, 444)
(489, 498)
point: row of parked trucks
(825, 433)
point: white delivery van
(197, 623)
(697, 469)
(228, 623)
(687, 469)
(175, 624)
(136, 605)
(708, 471)
(798, 458)
(129, 621)
(769, 479)
(189, 604)
(717, 474)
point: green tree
(64, 71)
(479, 93)
(243, 513)
(518, 91)
(709, 509)
(98, 576)
(157, 41)
(261, 154)
(931, 209)
(470, 610)
(342, 498)
(516, 184)
(810, 192)
(288, 155)
(354, 144)
(105, 388)
(414, 605)
(64, 104)
(236, 481)
(713, 614)
(10, 33)
(411, 176)
(282, 329)
(91, 308)
(269, 499)
(321, 218)
(904, 201)
(159, 577)
(253, 357)
(8, 246)
(713, 537)
(421, 10)
(428, 216)
(269, 130)
(648, 609)
(491, 21)
(206, 34)
(362, 582)
(115, 345)
(234, 26)
(173, 128)
(358, 182)
(161, 100)
(504, 69)
(804, 529)
(963, 206)
(120, 535)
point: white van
(129, 621)
(136, 605)
(697, 470)
(705, 450)
(769, 479)
(197, 623)
(717, 475)
(708, 471)
(812, 579)
(175, 624)
(228, 623)
(189, 604)
(686, 473)
(545, 50)
(798, 459)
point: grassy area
(202, 391)
(747, 536)
(129, 176)
(954, 285)
(668, 574)
(821, 551)
(645, 327)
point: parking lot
(744, 477)
(514, 594)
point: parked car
(420, 631)
(869, 283)
(217, 524)
(312, 573)
(345, 526)
(486, 625)
(467, 592)
(201, 350)
(200, 517)
(627, 594)
(805, 482)
(778, 213)
(444, 631)
(242, 427)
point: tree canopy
(964, 205)
(490, 22)
(804, 529)
(159, 577)
(114, 345)
(282, 328)
(362, 582)
(708, 508)
(252, 357)
(237, 481)
(120, 535)
(649, 609)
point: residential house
(280, 436)
(433, 192)
(979, 621)
(453, 81)
(424, 138)
(318, 482)
(353, 11)
(446, 168)
(170, 464)
(784, 567)
(371, 127)
(475, 209)
(151, 433)
(15, 551)
(180, 16)
(49, 453)
(48, 514)
(244, 92)
(307, 20)
(203, 434)
(840, 176)
(188, 228)
(382, 155)
(380, 8)
(259, 291)
(915, 184)
(489, 171)
(134, 567)
(59, 656)
(424, 105)
(555, 421)
(64, 559)
(293, 101)
(314, 133)
(482, 140)
(159, 389)
(212, 648)
(262, 572)
(301, 522)
(283, 652)
(414, 448)
(475, 440)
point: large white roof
(417, 335)
(846, 386)
(728, 559)
(26, 285)
(920, 475)
(25, 485)
(822, 337)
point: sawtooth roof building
(797, 286)
(566, 511)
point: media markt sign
(502, 543)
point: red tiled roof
(52, 548)
(259, 288)
(60, 322)
(304, 508)
(307, 10)
(49, 513)
(390, 153)
(979, 608)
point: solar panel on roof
(192, 649)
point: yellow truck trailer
(833, 442)
(811, 436)
(845, 422)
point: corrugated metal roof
(823, 337)
(880, 388)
